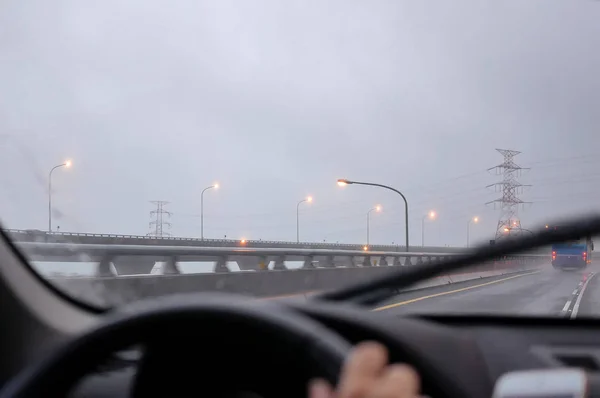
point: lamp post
(65, 164)
(475, 220)
(377, 209)
(309, 200)
(431, 215)
(215, 186)
(343, 182)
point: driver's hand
(367, 374)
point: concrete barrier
(112, 291)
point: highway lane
(543, 292)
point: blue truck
(574, 254)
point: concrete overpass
(128, 265)
(141, 259)
(322, 268)
(112, 239)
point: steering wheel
(172, 325)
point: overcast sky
(275, 100)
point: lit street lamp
(309, 200)
(215, 186)
(377, 209)
(431, 215)
(343, 182)
(475, 220)
(65, 164)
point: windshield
(279, 149)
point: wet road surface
(544, 292)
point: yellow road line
(386, 307)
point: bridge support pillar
(350, 261)
(308, 262)
(367, 261)
(383, 262)
(279, 263)
(408, 261)
(420, 260)
(170, 267)
(397, 261)
(104, 268)
(221, 265)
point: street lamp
(431, 215)
(215, 186)
(475, 220)
(309, 200)
(65, 164)
(377, 209)
(343, 182)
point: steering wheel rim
(58, 373)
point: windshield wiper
(382, 288)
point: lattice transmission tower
(509, 223)
(158, 223)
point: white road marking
(576, 306)
(566, 307)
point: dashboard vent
(574, 357)
(578, 361)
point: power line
(457, 201)
(510, 188)
(454, 197)
(158, 224)
(429, 194)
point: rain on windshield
(279, 149)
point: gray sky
(276, 100)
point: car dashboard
(466, 354)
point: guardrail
(33, 232)
(19, 235)
(165, 238)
